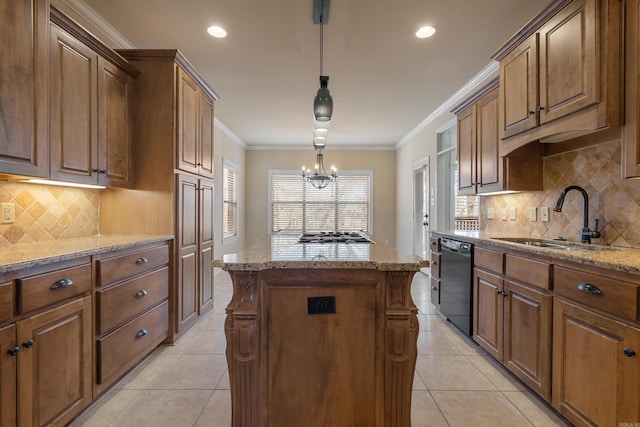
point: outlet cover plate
(533, 214)
(544, 214)
(489, 213)
(8, 211)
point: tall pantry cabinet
(173, 133)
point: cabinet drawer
(435, 291)
(39, 291)
(488, 259)
(435, 244)
(6, 301)
(435, 265)
(123, 266)
(119, 303)
(529, 271)
(610, 295)
(132, 341)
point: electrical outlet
(544, 214)
(533, 214)
(512, 213)
(8, 213)
(489, 213)
(503, 214)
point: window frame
(272, 172)
(228, 165)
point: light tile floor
(456, 384)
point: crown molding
(97, 21)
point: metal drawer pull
(141, 333)
(61, 284)
(141, 293)
(628, 352)
(141, 260)
(590, 289)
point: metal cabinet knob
(531, 112)
(628, 352)
(141, 333)
(141, 293)
(141, 260)
(27, 344)
(540, 108)
(13, 351)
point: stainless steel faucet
(586, 234)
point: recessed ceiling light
(425, 32)
(217, 32)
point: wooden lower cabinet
(54, 364)
(596, 367)
(512, 322)
(8, 363)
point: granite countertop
(284, 251)
(607, 257)
(17, 257)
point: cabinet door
(188, 122)
(115, 130)
(55, 372)
(467, 151)
(24, 148)
(488, 312)
(568, 66)
(631, 128)
(489, 167)
(527, 336)
(73, 109)
(594, 382)
(205, 143)
(187, 249)
(206, 246)
(519, 88)
(7, 377)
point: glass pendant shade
(323, 102)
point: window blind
(229, 202)
(296, 206)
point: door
(73, 107)
(8, 358)
(188, 122)
(421, 210)
(187, 247)
(54, 364)
(205, 143)
(206, 246)
(467, 155)
(488, 312)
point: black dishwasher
(456, 283)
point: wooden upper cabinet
(561, 74)
(489, 165)
(467, 181)
(631, 139)
(23, 87)
(195, 123)
(91, 89)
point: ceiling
(384, 81)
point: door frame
(422, 163)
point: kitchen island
(321, 334)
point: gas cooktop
(334, 237)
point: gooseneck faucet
(586, 234)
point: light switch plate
(489, 213)
(544, 214)
(533, 214)
(503, 214)
(512, 213)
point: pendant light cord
(321, 33)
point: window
(344, 205)
(229, 200)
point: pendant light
(323, 102)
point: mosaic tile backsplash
(49, 213)
(612, 200)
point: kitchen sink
(554, 244)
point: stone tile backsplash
(49, 213)
(613, 200)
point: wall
(612, 199)
(48, 213)
(382, 162)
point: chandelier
(322, 109)
(319, 178)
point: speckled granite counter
(17, 257)
(284, 251)
(608, 257)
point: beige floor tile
(432, 323)
(425, 412)
(200, 342)
(164, 408)
(478, 409)
(496, 373)
(179, 371)
(106, 409)
(436, 343)
(418, 384)
(451, 373)
(217, 413)
(213, 322)
(464, 343)
(224, 383)
(532, 408)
